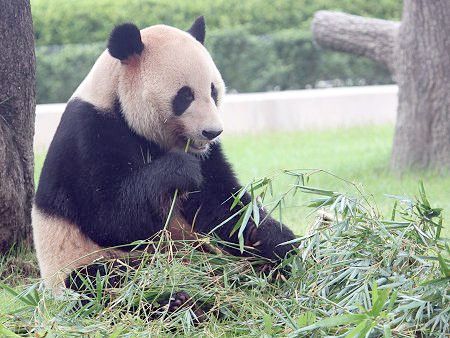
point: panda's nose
(211, 134)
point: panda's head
(168, 85)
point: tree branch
(372, 38)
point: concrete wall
(277, 111)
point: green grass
(360, 155)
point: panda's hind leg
(180, 300)
(115, 274)
(111, 274)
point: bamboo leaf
(117, 332)
(358, 330)
(19, 296)
(305, 319)
(4, 332)
(380, 300)
(240, 220)
(238, 197)
(268, 323)
(334, 321)
(317, 191)
(246, 217)
(423, 196)
(256, 217)
(445, 269)
(387, 331)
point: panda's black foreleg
(133, 205)
(266, 238)
(211, 206)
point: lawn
(355, 275)
(359, 155)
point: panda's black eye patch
(182, 100)
(214, 94)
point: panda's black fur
(96, 175)
(198, 29)
(115, 186)
(124, 41)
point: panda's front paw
(269, 237)
(187, 171)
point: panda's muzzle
(202, 143)
(211, 134)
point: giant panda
(118, 155)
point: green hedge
(257, 44)
(60, 69)
(87, 21)
(285, 60)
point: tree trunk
(17, 105)
(422, 136)
(417, 52)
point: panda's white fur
(57, 242)
(171, 58)
(56, 261)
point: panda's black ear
(125, 41)
(198, 30)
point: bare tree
(417, 52)
(17, 105)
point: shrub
(86, 21)
(284, 60)
(60, 69)
(258, 45)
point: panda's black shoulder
(86, 132)
(82, 120)
(87, 139)
(87, 129)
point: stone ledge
(309, 109)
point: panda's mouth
(198, 146)
(195, 146)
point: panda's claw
(178, 300)
(266, 268)
(181, 300)
(183, 296)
